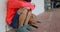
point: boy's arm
(18, 4)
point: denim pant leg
(22, 29)
(15, 21)
(26, 28)
(29, 27)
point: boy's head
(28, 0)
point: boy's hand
(22, 9)
(26, 8)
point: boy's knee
(22, 10)
(25, 12)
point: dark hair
(28, 0)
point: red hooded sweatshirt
(13, 6)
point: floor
(50, 21)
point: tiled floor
(50, 21)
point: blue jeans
(15, 21)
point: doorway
(55, 3)
(51, 4)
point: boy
(13, 6)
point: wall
(39, 6)
(2, 15)
(3, 3)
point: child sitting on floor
(13, 6)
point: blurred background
(47, 12)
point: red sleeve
(32, 7)
(18, 4)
